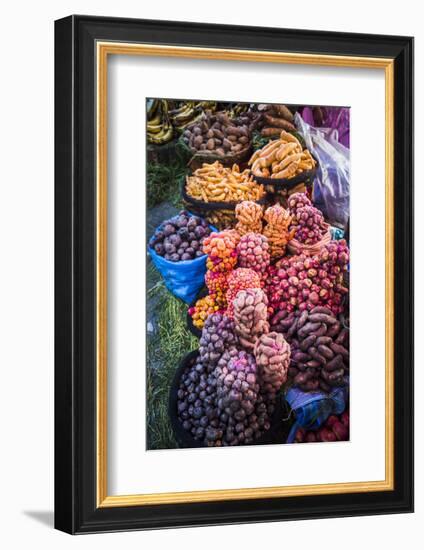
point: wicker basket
(198, 158)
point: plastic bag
(334, 118)
(331, 184)
(183, 279)
(313, 408)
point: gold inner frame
(103, 50)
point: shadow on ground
(46, 517)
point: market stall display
(269, 302)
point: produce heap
(249, 217)
(267, 324)
(217, 134)
(281, 158)
(303, 282)
(180, 238)
(216, 183)
(227, 396)
(319, 345)
(308, 222)
(277, 230)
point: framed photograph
(234, 274)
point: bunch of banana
(239, 109)
(159, 127)
(188, 112)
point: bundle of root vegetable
(281, 158)
(277, 230)
(216, 134)
(203, 308)
(222, 258)
(335, 428)
(275, 118)
(319, 348)
(250, 316)
(214, 183)
(249, 217)
(304, 282)
(311, 232)
(228, 396)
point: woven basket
(198, 158)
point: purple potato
(183, 233)
(175, 239)
(168, 230)
(159, 249)
(199, 232)
(169, 248)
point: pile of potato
(281, 158)
(218, 134)
(320, 348)
(253, 252)
(304, 282)
(335, 428)
(241, 278)
(216, 183)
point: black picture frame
(76, 510)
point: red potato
(335, 428)
(341, 431)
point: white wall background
(26, 274)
